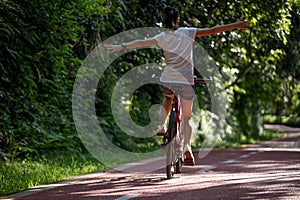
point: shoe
(188, 156)
(161, 130)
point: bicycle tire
(178, 140)
(172, 128)
(178, 167)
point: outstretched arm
(131, 45)
(241, 25)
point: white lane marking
(245, 156)
(253, 153)
(250, 154)
(128, 196)
(228, 161)
(206, 169)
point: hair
(169, 17)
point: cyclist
(178, 75)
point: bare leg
(186, 117)
(167, 105)
(187, 131)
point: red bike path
(269, 170)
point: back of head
(169, 17)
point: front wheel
(171, 154)
(179, 164)
(170, 171)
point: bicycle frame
(173, 140)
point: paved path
(270, 170)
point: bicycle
(172, 141)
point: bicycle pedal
(160, 134)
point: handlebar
(197, 81)
(201, 81)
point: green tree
(43, 44)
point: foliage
(249, 60)
(244, 141)
(16, 176)
(43, 43)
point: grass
(291, 120)
(20, 175)
(268, 135)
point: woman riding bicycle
(178, 75)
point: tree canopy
(43, 43)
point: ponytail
(169, 17)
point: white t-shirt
(178, 51)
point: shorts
(183, 90)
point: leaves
(44, 42)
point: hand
(242, 25)
(113, 48)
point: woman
(178, 75)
